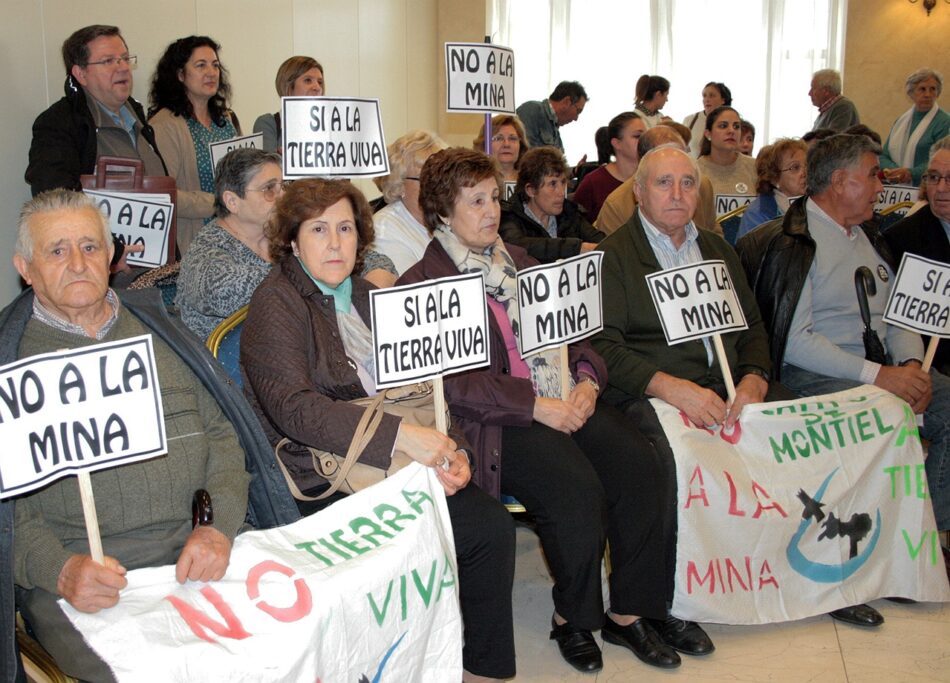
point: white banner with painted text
(364, 590)
(807, 506)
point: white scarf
(902, 144)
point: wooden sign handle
(724, 364)
(565, 373)
(89, 512)
(931, 352)
(439, 399)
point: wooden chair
(37, 664)
(729, 222)
(224, 342)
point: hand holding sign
(90, 585)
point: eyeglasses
(271, 190)
(502, 138)
(111, 62)
(794, 168)
(933, 179)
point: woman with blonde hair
(298, 76)
(508, 142)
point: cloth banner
(807, 506)
(364, 590)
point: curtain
(764, 50)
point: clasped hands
(702, 406)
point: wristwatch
(202, 512)
(757, 371)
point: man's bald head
(656, 136)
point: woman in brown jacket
(318, 313)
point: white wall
(369, 48)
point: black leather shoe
(685, 636)
(578, 647)
(858, 615)
(641, 639)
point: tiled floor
(913, 644)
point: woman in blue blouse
(188, 108)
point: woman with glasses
(904, 157)
(400, 232)
(188, 108)
(230, 257)
(781, 178)
(508, 142)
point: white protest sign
(696, 301)
(135, 220)
(86, 409)
(920, 297)
(510, 186)
(220, 149)
(332, 137)
(896, 194)
(429, 329)
(730, 202)
(559, 303)
(365, 589)
(805, 507)
(479, 77)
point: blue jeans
(936, 428)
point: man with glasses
(927, 231)
(96, 117)
(802, 267)
(543, 118)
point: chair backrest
(892, 214)
(729, 222)
(224, 342)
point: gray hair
(405, 154)
(941, 144)
(235, 170)
(647, 161)
(835, 152)
(48, 202)
(827, 78)
(922, 75)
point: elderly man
(144, 509)
(96, 117)
(835, 111)
(802, 267)
(543, 118)
(927, 231)
(621, 204)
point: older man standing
(803, 266)
(144, 509)
(835, 111)
(543, 118)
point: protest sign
(86, 409)
(510, 186)
(696, 301)
(220, 149)
(559, 303)
(892, 195)
(426, 330)
(920, 301)
(332, 137)
(364, 590)
(479, 78)
(807, 506)
(730, 202)
(139, 219)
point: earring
(293, 247)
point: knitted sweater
(146, 505)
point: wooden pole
(724, 364)
(89, 512)
(929, 356)
(565, 373)
(441, 423)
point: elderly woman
(508, 143)
(400, 232)
(301, 389)
(904, 157)
(731, 173)
(539, 218)
(650, 96)
(298, 76)
(188, 108)
(577, 465)
(623, 133)
(781, 178)
(714, 95)
(230, 255)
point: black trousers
(604, 482)
(485, 549)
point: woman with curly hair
(188, 108)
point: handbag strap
(365, 431)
